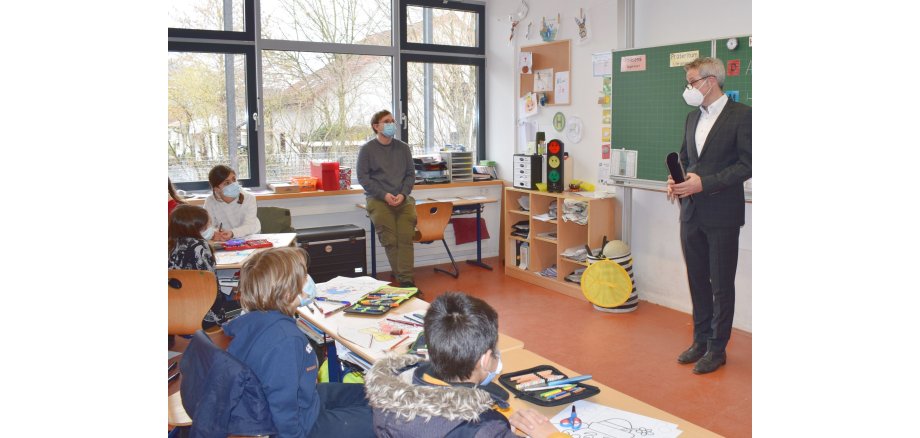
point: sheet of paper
(446, 199)
(543, 80)
(473, 198)
(529, 105)
(525, 62)
(599, 421)
(603, 171)
(527, 132)
(562, 88)
(602, 63)
(232, 257)
(624, 163)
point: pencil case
(533, 397)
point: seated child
(453, 394)
(273, 284)
(232, 211)
(189, 231)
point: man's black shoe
(710, 362)
(693, 354)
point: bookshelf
(545, 252)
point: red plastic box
(327, 174)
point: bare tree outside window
(321, 102)
(316, 105)
(206, 15)
(443, 98)
(199, 114)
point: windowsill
(268, 195)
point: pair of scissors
(573, 422)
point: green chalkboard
(647, 107)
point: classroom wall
(658, 262)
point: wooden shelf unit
(545, 252)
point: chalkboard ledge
(657, 186)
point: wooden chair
(191, 295)
(432, 220)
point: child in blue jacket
(273, 284)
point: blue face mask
(208, 233)
(389, 129)
(492, 374)
(309, 291)
(232, 190)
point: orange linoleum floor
(635, 353)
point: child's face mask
(309, 292)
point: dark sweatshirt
(281, 357)
(386, 169)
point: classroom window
(209, 109)
(317, 106)
(449, 27)
(438, 26)
(328, 21)
(322, 68)
(442, 91)
(224, 15)
(443, 105)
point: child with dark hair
(189, 231)
(453, 394)
(273, 284)
(231, 210)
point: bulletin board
(556, 55)
(648, 111)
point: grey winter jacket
(409, 402)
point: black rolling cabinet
(338, 250)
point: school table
(521, 359)
(330, 326)
(277, 240)
(461, 202)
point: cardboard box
(284, 187)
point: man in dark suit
(716, 153)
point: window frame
(250, 43)
(252, 106)
(479, 9)
(406, 58)
(248, 34)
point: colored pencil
(400, 342)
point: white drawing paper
(602, 63)
(543, 80)
(599, 421)
(525, 62)
(562, 88)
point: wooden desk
(331, 326)
(278, 240)
(456, 203)
(522, 359)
